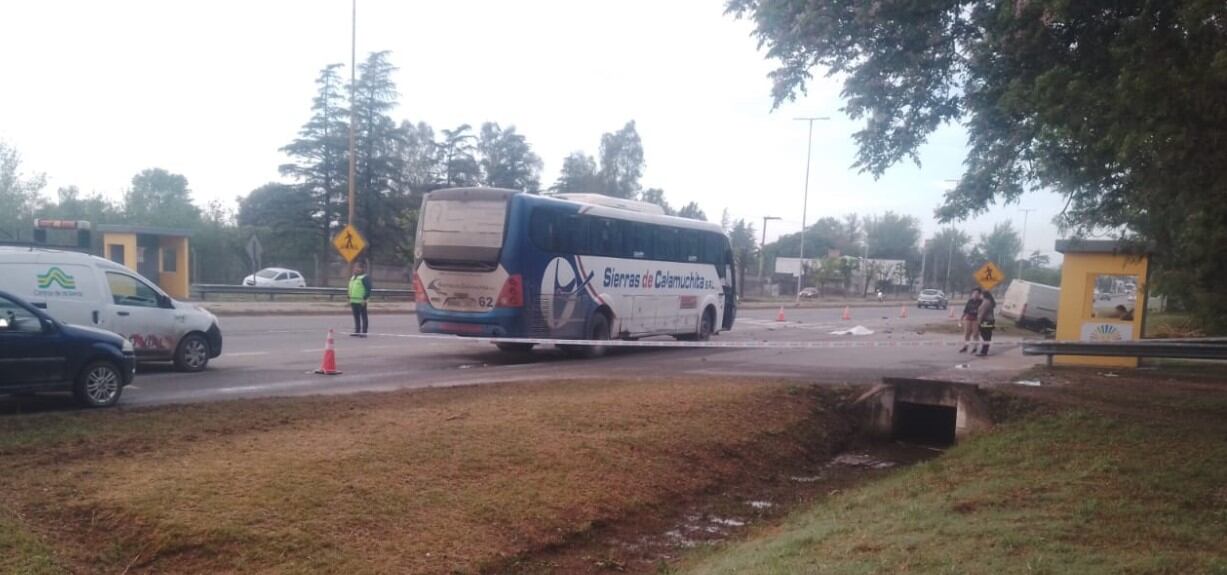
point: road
(274, 356)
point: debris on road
(1028, 382)
(858, 330)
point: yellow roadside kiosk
(1103, 297)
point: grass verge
(447, 480)
(1116, 473)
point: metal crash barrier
(202, 292)
(1201, 348)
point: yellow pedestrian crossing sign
(349, 242)
(989, 275)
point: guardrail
(1207, 348)
(202, 291)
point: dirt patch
(458, 479)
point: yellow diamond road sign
(349, 242)
(989, 275)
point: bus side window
(640, 240)
(666, 244)
(606, 237)
(575, 234)
(690, 246)
(544, 232)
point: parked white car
(86, 290)
(275, 277)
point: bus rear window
(463, 230)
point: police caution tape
(761, 344)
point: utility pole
(949, 258)
(924, 261)
(353, 110)
(761, 287)
(1026, 213)
(809, 148)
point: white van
(86, 290)
(1031, 305)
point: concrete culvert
(924, 411)
(924, 424)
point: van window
(127, 290)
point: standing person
(359, 294)
(971, 327)
(987, 319)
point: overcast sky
(97, 91)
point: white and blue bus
(501, 263)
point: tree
(578, 176)
(282, 217)
(382, 200)
(421, 158)
(824, 236)
(160, 198)
(507, 160)
(1038, 259)
(692, 211)
(69, 205)
(742, 240)
(895, 237)
(948, 258)
(18, 194)
(1001, 246)
(320, 161)
(1118, 105)
(459, 151)
(621, 162)
(657, 196)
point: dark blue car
(38, 353)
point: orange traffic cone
(847, 313)
(951, 313)
(329, 365)
(780, 316)
(903, 312)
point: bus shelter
(1103, 297)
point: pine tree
(321, 159)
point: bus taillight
(419, 291)
(512, 294)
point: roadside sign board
(989, 275)
(349, 243)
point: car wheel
(99, 384)
(707, 325)
(192, 353)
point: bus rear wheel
(514, 348)
(598, 330)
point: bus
(501, 263)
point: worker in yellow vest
(359, 294)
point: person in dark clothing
(359, 294)
(987, 319)
(970, 326)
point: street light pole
(809, 148)
(760, 252)
(353, 111)
(1026, 213)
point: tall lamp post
(1026, 213)
(809, 148)
(761, 287)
